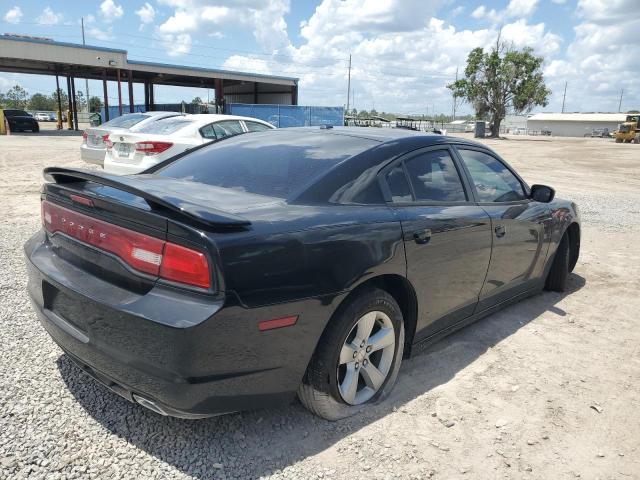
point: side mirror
(542, 193)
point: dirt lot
(546, 389)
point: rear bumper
(92, 155)
(188, 356)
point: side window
(208, 132)
(227, 128)
(255, 126)
(434, 177)
(397, 181)
(494, 182)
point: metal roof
(38, 55)
(579, 117)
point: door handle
(500, 231)
(422, 236)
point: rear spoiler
(152, 195)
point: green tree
(64, 100)
(39, 101)
(196, 101)
(504, 80)
(95, 104)
(17, 97)
(81, 101)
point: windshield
(165, 126)
(126, 121)
(274, 163)
(16, 113)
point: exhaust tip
(150, 404)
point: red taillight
(84, 135)
(105, 138)
(152, 148)
(142, 252)
(183, 265)
(107, 142)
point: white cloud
(100, 34)
(110, 10)
(457, 11)
(49, 17)
(401, 64)
(479, 12)
(597, 64)
(404, 55)
(514, 9)
(265, 18)
(146, 13)
(559, 2)
(13, 15)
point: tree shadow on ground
(257, 443)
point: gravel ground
(548, 388)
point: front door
(520, 226)
(447, 238)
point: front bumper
(190, 355)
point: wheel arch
(573, 230)
(403, 293)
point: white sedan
(93, 148)
(135, 151)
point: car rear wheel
(357, 358)
(36, 128)
(557, 277)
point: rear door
(521, 227)
(447, 238)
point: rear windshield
(274, 163)
(165, 126)
(126, 121)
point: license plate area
(123, 149)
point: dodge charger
(297, 261)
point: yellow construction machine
(629, 131)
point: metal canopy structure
(42, 56)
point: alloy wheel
(366, 357)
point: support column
(59, 115)
(74, 104)
(152, 100)
(69, 106)
(130, 79)
(255, 92)
(294, 94)
(119, 92)
(219, 88)
(146, 96)
(106, 96)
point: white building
(574, 124)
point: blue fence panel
(283, 116)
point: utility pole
(86, 80)
(620, 102)
(349, 85)
(454, 99)
(564, 96)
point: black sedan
(19, 121)
(304, 261)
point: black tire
(557, 277)
(319, 390)
(36, 128)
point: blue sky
(404, 51)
